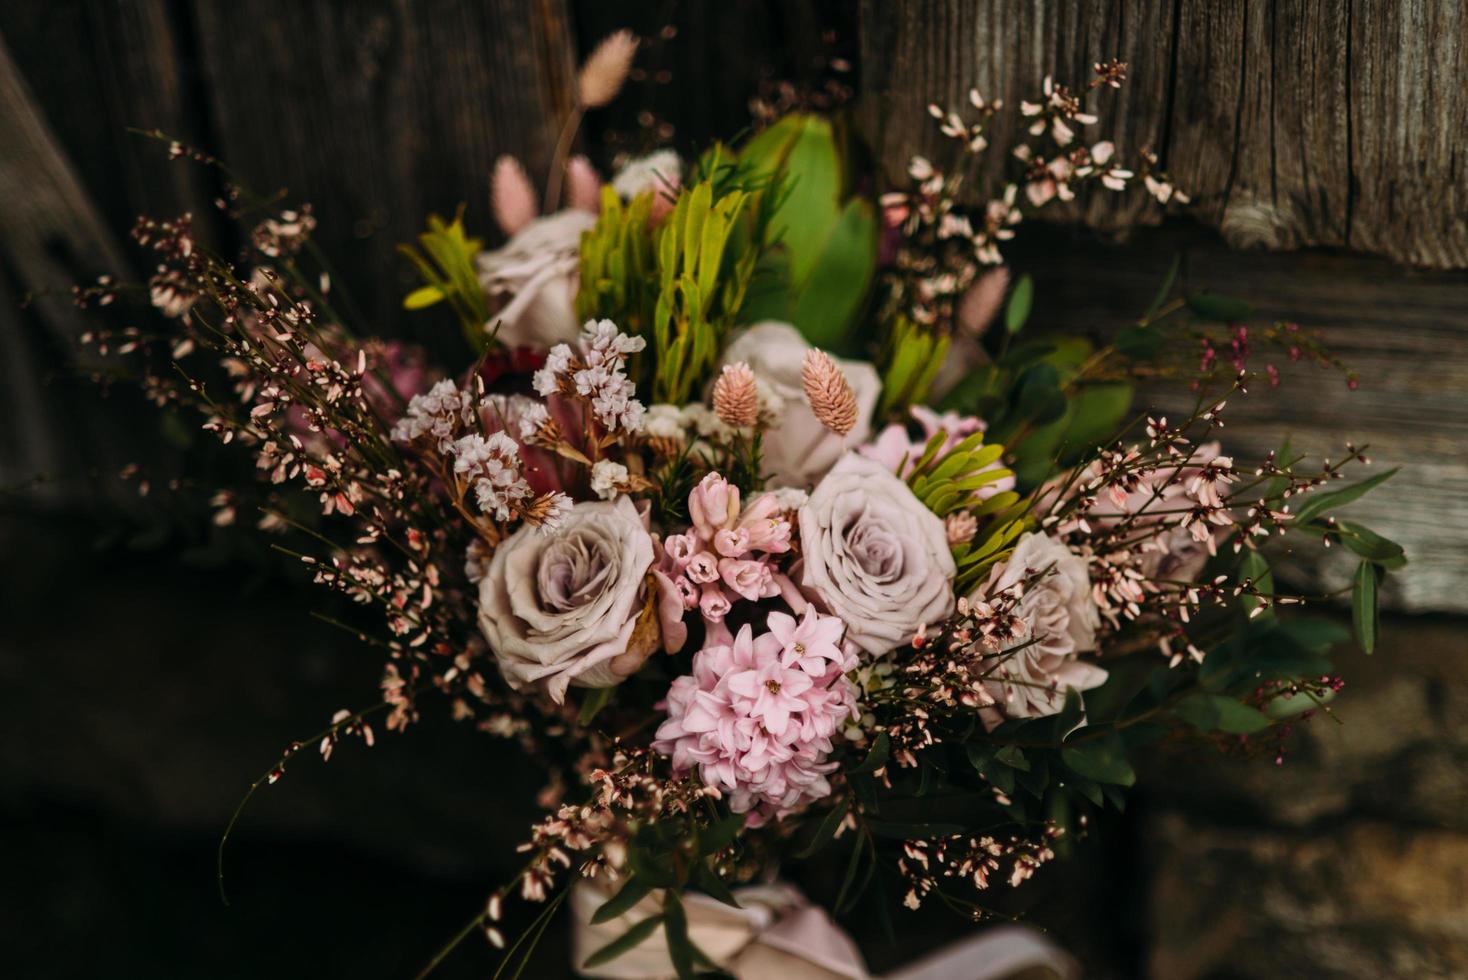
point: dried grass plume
(606, 69)
(513, 197)
(981, 303)
(583, 185)
(736, 400)
(828, 391)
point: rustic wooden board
(380, 113)
(1322, 122)
(1406, 333)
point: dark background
(156, 666)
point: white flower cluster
(533, 415)
(598, 375)
(492, 467)
(438, 414)
(608, 479)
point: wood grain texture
(1316, 122)
(381, 112)
(1404, 333)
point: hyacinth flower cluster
(728, 554)
(757, 715)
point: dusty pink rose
(1061, 618)
(563, 608)
(874, 555)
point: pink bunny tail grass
(512, 195)
(583, 185)
(828, 391)
(605, 70)
(736, 400)
(982, 302)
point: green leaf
(1098, 413)
(1166, 288)
(826, 306)
(804, 219)
(1255, 569)
(632, 892)
(1139, 343)
(826, 831)
(1013, 757)
(631, 938)
(1318, 502)
(720, 835)
(1017, 310)
(1102, 759)
(1364, 606)
(423, 296)
(596, 699)
(1370, 545)
(1221, 309)
(876, 757)
(1039, 398)
(1216, 712)
(710, 882)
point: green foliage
(1216, 712)
(618, 264)
(1221, 309)
(446, 264)
(823, 245)
(682, 284)
(1364, 604)
(912, 359)
(1017, 310)
(669, 855)
(953, 481)
(1319, 502)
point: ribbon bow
(778, 933)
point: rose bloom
(874, 555)
(570, 607)
(534, 276)
(1061, 619)
(1173, 552)
(797, 449)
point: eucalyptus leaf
(1319, 502)
(1365, 614)
(1221, 309)
(632, 892)
(1217, 712)
(633, 937)
(1017, 310)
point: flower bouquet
(753, 517)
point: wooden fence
(1333, 124)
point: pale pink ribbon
(779, 933)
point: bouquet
(753, 516)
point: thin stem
(559, 157)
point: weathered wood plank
(1402, 332)
(50, 237)
(381, 112)
(1315, 123)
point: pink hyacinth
(757, 715)
(726, 556)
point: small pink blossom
(750, 579)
